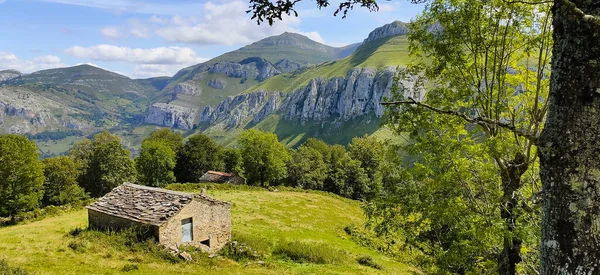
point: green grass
(57, 147)
(272, 221)
(384, 52)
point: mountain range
(287, 84)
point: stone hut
(222, 177)
(173, 218)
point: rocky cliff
(250, 68)
(335, 100)
(31, 112)
(170, 116)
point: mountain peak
(387, 30)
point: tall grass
(310, 252)
(6, 269)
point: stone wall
(211, 220)
(98, 220)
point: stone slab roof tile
(143, 204)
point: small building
(222, 177)
(173, 218)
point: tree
(321, 147)
(60, 186)
(307, 169)
(172, 139)
(264, 158)
(569, 154)
(232, 159)
(198, 155)
(155, 163)
(336, 175)
(368, 151)
(356, 181)
(21, 175)
(105, 164)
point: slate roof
(143, 204)
(215, 176)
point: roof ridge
(157, 189)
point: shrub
(317, 253)
(368, 261)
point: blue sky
(146, 38)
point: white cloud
(224, 23)
(138, 28)
(136, 6)
(313, 36)
(160, 55)
(162, 61)
(110, 33)
(11, 61)
(154, 70)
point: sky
(149, 38)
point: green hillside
(384, 52)
(267, 220)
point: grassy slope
(42, 246)
(384, 52)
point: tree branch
(484, 121)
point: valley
(273, 84)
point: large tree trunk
(511, 182)
(570, 144)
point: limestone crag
(251, 68)
(187, 89)
(358, 94)
(31, 111)
(236, 109)
(338, 99)
(216, 83)
(169, 115)
(391, 29)
(286, 65)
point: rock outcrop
(216, 83)
(285, 65)
(236, 109)
(391, 29)
(169, 115)
(9, 74)
(187, 89)
(338, 99)
(250, 68)
(33, 111)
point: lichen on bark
(570, 157)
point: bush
(6, 269)
(317, 253)
(368, 261)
